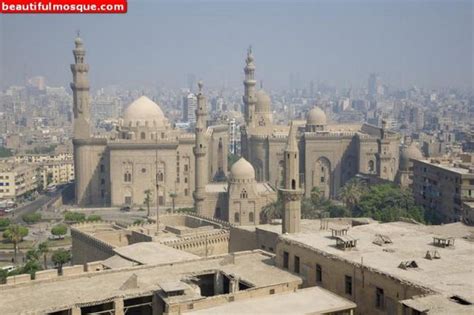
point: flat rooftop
(152, 253)
(314, 300)
(253, 267)
(450, 275)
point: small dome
(407, 153)
(142, 111)
(242, 169)
(263, 102)
(316, 117)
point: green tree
(388, 203)
(273, 210)
(31, 218)
(31, 266)
(71, 216)
(59, 230)
(33, 254)
(15, 234)
(61, 257)
(147, 201)
(173, 196)
(4, 152)
(351, 192)
(4, 223)
(94, 218)
(44, 249)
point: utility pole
(157, 186)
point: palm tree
(44, 249)
(147, 201)
(273, 210)
(15, 233)
(351, 192)
(173, 196)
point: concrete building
(330, 154)
(17, 180)
(187, 286)
(442, 186)
(189, 108)
(144, 153)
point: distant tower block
(200, 152)
(291, 190)
(80, 89)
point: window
(127, 177)
(143, 170)
(185, 191)
(236, 217)
(243, 194)
(142, 136)
(348, 285)
(186, 167)
(297, 264)
(185, 180)
(102, 181)
(285, 260)
(293, 184)
(371, 166)
(251, 217)
(102, 168)
(322, 179)
(160, 176)
(379, 298)
(319, 273)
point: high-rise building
(189, 108)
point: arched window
(127, 177)
(250, 216)
(142, 135)
(236, 217)
(293, 184)
(371, 166)
(160, 176)
(243, 194)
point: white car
(8, 210)
(8, 268)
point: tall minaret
(80, 89)
(291, 190)
(249, 98)
(200, 152)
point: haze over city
(157, 43)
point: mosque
(331, 154)
(147, 155)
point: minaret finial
(78, 33)
(249, 51)
(261, 84)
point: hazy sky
(424, 43)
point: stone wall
(86, 248)
(365, 280)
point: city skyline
(339, 43)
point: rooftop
(254, 267)
(313, 300)
(450, 275)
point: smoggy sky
(157, 43)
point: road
(33, 206)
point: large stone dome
(242, 170)
(144, 111)
(407, 153)
(316, 117)
(263, 102)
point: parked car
(125, 209)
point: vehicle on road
(8, 268)
(125, 209)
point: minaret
(80, 89)
(200, 152)
(291, 190)
(249, 98)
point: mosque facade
(146, 154)
(330, 154)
